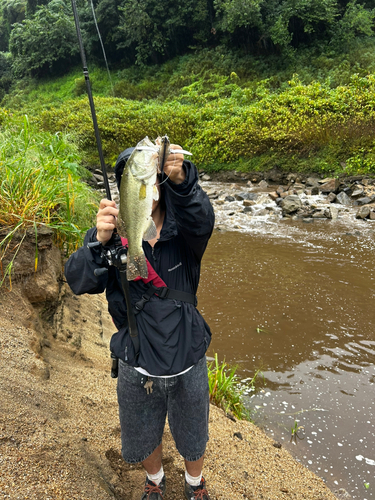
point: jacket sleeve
(192, 210)
(80, 267)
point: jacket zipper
(126, 353)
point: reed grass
(41, 184)
(226, 390)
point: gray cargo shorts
(185, 399)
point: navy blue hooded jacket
(172, 333)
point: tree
(156, 30)
(45, 43)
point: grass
(226, 390)
(40, 184)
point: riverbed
(295, 300)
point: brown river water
(297, 301)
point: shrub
(41, 185)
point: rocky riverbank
(59, 427)
(274, 193)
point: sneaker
(196, 492)
(154, 491)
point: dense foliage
(40, 34)
(246, 85)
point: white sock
(193, 481)
(156, 478)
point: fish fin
(150, 232)
(142, 192)
(155, 193)
(136, 266)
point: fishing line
(101, 43)
(167, 176)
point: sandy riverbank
(59, 428)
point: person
(168, 376)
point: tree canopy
(41, 37)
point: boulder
(312, 181)
(245, 196)
(331, 197)
(372, 215)
(291, 204)
(358, 192)
(230, 198)
(344, 199)
(314, 190)
(334, 212)
(331, 186)
(263, 185)
(363, 201)
(362, 213)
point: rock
(325, 180)
(274, 196)
(291, 177)
(245, 196)
(274, 175)
(358, 191)
(248, 203)
(238, 435)
(343, 198)
(291, 204)
(362, 213)
(331, 197)
(220, 202)
(334, 212)
(312, 181)
(263, 185)
(205, 177)
(230, 198)
(319, 214)
(372, 215)
(307, 220)
(247, 210)
(314, 190)
(364, 201)
(331, 186)
(280, 190)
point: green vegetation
(226, 391)
(40, 185)
(231, 110)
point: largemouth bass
(137, 192)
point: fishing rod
(91, 101)
(116, 254)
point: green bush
(40, 181)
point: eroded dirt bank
(59, 427)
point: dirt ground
(59, 426)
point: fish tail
(136, 266)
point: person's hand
(173, 166)
(106, 220)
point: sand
(59, 425)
